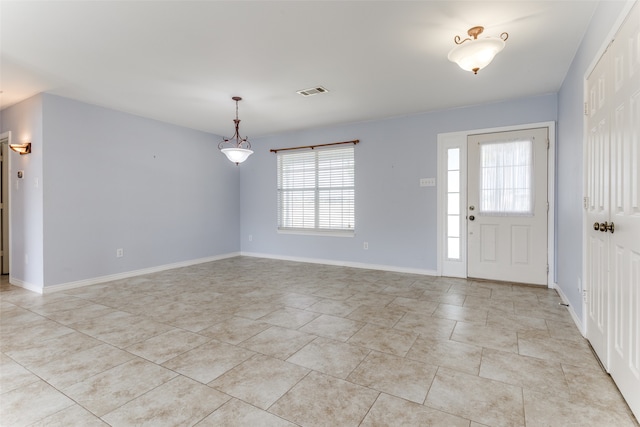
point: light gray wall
(161, 192)
(393, 214)
(570, 154)
(112, 180)
(24, 120)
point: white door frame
(5, 139)
(459, 139)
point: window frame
(318, 174)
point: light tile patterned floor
(256, 342)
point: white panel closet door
(625, 212)
(613, 191)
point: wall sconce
(24, 148)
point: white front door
(507, 206)
(612, 166)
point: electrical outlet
(365, 246)
(251, 237)
(119, 253)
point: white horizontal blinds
(506, 178)
(316, 189)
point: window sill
(327, 233)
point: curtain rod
(275, 150)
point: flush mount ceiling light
(24, 148)
(236, 148)
(472, 53)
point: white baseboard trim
(390, 268)
(572, 312)
(128, 274)
(25, 285)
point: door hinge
(548, 144)
(586, 109)
(547, 206)
(584, 295)
(586, 202)
(547, 268)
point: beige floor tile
(88, 311)
(168, 345)
(342, 305)
(330, 357)
(447, 353)
(33, 402)
(238, 413)
(121, 329)
(257, 310)
(421, 306)
(498, 319)
(485, 336)
(462, 314)
(466, 289)
(544, 410)
(74, 415)
(296, 300)
(39, 353)
(181, 401)
(287, 317)
(397, 376)
(381, 316)
(69, 303)
(594, 387)
(104, 392)
(426, 325)
(478, 399)
(278, 342)
(185, 316)
(523, 371)
(208, 361)
(337, 328)
(235, 330)
(334, 292)
(79, 366)
(564, 331)
(385, 340)
(13, 375)
(321, 400)
(370, 299)
(392, 411)
(333, 307)
(563, 351)
(260, 380)
(16, 336)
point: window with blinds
(316, 190)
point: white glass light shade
(474, 55)
(237, 155)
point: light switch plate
(427, 182)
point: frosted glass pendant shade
(237, 155)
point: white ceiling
(182, 61)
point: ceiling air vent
(312, 91)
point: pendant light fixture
(236, 148)
(472, 53)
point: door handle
(471, 217)
(604, 227)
